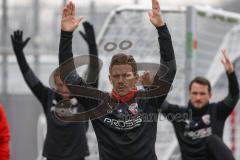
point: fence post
(191, 45)
(4, 41)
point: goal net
(199, 47)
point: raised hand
(146, 79)
(93, 67)
(155, 15)
(18, 42)
(89, 35)
(227, 62)
(69, 20)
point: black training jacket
(64, 140)
(193, 126)
(129, 131)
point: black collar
(198, 111)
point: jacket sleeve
(167, 70)
(225, 107)
(36, 86)
(174, 113)
(65, 53)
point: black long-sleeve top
(64, 140)
(193, 126)
(126, 134)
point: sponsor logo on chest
(128, 121)
(202, 132)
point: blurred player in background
(64, 141)
(4, 136)
(201, 136)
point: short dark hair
(121, 58)
(202, 81)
